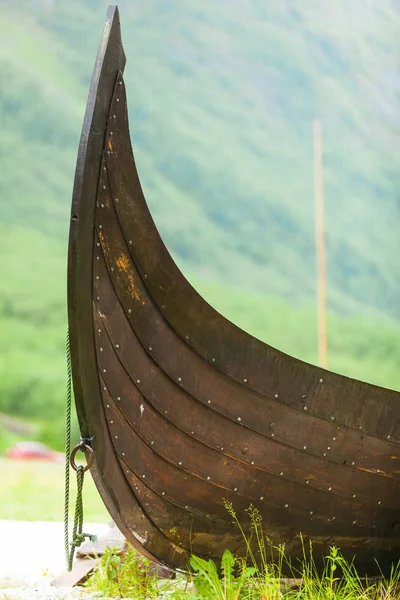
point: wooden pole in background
(320, 246)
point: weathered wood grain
(187, 409)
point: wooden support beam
(320, 246)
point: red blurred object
(33, 451)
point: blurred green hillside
(222, 98)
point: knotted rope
(78, 537)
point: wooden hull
(187, 409)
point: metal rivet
(213, 359)
(311, 512)
(104, 168)
(162, 493)
(101, 205)
(378, 470)
(152, 442)
(105, 389)
(129, 310)
(118, 398)
(235, 489)
(354, 496)
(123, 454)
(104, 187)
(104, 370)
(97, 297)
(281, 473)
(143, 475)
(308, 481)
(165, 412)
(245, 380)
(187, 337)
(239, 418)
(304, 447)
(179, 378)
(192, 433)
(262, 498)
(108, 406)
(252, 462)
(111, 133)
(137, 380)
(330, 489)
(97, 277)
(388, 437)
(101, 349)
(117, 99)
(328, 448)
(332, 418)
(324, 453)
(353, 463)
(321, 380)
(112, 422)
(359, 427)
(179, 463)
(276, 395)
(209, 401)
(150, 348)
(130, 242)
(99, 330)
(354, 522)
(116, 200)
(208, 478)
(303, 396)
(100, 226)
(116, 437)
(145, 276)
(379, 502)
(112, 269)
(286, 505)
(304, 407)
(334, 439)
(117, 345)
(272, 435)
(108, 152)
(98, 244)
(97, 257)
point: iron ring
(83, 448)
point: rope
(78, 537)
(67, 449)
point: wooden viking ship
(186, 409)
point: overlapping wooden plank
(249, 361)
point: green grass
(129, 575)
(34, 491)
(263, 573)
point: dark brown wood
(187, 409)
(253, 364)
(107, 473)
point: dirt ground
(32, 553)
